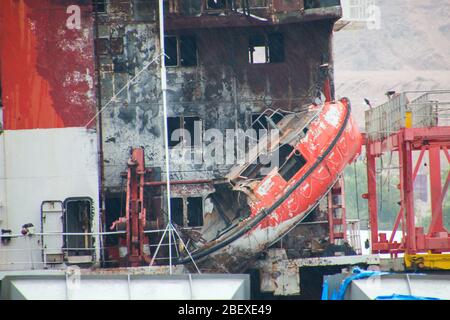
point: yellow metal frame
(408, 119)
(428, 261)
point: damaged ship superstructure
(83, 140)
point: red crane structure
(408, 127)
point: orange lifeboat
(313, 150)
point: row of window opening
(264, 48)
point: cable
(356, 190)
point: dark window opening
(261, 122)
(192, 127)
(77, 219)
(276, 48)
(190, 124)
(310, 4)
(292, 166)
(155, 204)
(284, 152)
(258, 4)
(266, 48)
(261, 125)
(176, 206)
(180, 51)
(313, 4)
(171, 51)
(145, 10)
(173, 124)
(103, 46)
(115, 207)
(253, 171)
(188, 51)
(305, 130)
(100, 6)
(167, 4)
(119, 65)
(219, 4)
(116, 45)
(195, 211)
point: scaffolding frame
(422, 249)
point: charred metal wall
(223, 89)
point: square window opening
(195, 211)
(276, 47)
(257, 51)
(266, 48)
(176, 205)
(216, 4)
(100, 6)
(261, 122)
(171, 51)
(284, 151)
(187, 212)
(186, 130)
(145, 10)
(258, 4)
(292, 166)
(193, 127)
(180, 51)
(254, 170)
(174, 124)
(188, 51)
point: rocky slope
(410, 51)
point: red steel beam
(159, 183)
(372, 197)
(419, 162)
(433, 135)
(436, 191)
(431, 139)
(397, 222)
(408, 195)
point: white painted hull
(35, 166)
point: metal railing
(354, 235)
(246, 6)
(425, 107)
(34, 255)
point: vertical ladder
(336, 213)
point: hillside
(411, 51)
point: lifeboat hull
(332, 141)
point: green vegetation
(355, 176)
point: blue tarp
(357, 274)
(325, 290)
(362, 274)
(403, 297)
